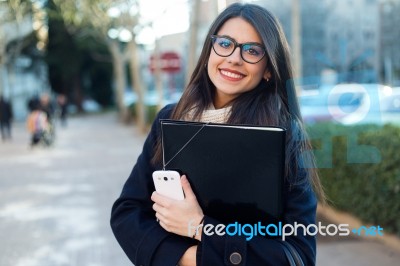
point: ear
(267, 75)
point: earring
(267, 79)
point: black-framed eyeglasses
(224, 46)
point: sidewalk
(55, 203)
(352, 250)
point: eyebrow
(229, 37)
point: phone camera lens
(165, 178)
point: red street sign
(169, 62)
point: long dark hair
(272, 102)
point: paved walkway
(55, 203)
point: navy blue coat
(146, 243)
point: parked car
(392, 103)
(346, 103)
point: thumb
(187, 189)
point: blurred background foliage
(359, 168)
(78, 62)
(77, 56)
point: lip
(231, 75)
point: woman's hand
(180, 217)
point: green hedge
(360, 170)
(151, 113)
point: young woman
(243, 76)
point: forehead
(240, 30)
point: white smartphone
(168, 183)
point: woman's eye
(225, 43)
(253, 50)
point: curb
(340, 217)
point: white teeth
(231, 75)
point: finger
(154, 196)
(163, 225)
(160, 210)
(187, 189)
(157, 207)
(159, 217)
(160, 199)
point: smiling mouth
(231, 74)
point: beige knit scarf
(212, 115)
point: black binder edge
(183, 122)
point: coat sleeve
(133, 220)
(300, 208)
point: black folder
(235, 171)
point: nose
(235, 57)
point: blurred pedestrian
(6, 116)
(47, 106)
(33, 102)
(62, 108)
(38, 125)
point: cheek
(212, 67)
(214, 60)
(209, 67)
(258, 72)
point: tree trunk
(157, 75)
(137, 86)
(119, 79)
(194, 28)
(77, 88)
(296, 38)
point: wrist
(199, 229)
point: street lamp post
(296, 38)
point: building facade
(389, 45)
(21, 76)
(339, 36)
